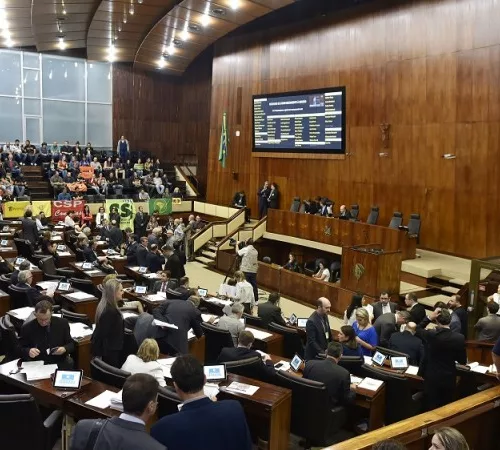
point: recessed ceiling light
(219, 11)
(235, 4)
(131, 10)
(162, 63)
(177, 42)
(61, 44)
(205, 20)
(194, 27)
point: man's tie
(164, 287)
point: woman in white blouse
(146, 361)
(244, 292)
(323, 273)
(100, 217)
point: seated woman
(153, 221)
(108, 166)
(96, 165)
(146, 361)
(62, 166)
(347, 337)
(177, 193)
(148, 165)
(87, 217)
(366, 336)
(323, 273)
(49, 247)
(292, 263)
(139, 168)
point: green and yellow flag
(163, 205)
(223, 142)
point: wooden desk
(373, 401)
(339, 232)
(479, 351)
(119, 263)
(4, 303)
(35, 271)
(141, 277)
(75, 406)
(9, 250)
(272, 344)
(66, 258)
(86, 306)
(96, 277)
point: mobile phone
(53, 350)
(278, 366)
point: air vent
(177, 42)
(219, 11)
(166, 55)
(194, 27)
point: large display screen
(300, 122)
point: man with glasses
(383, 306)
(47, 338)
(128, 431)
(33, 295)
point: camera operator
(249, 265)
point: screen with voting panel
(68, 379)
(215, 373)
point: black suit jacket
(274, 199)
(239, 203)
(385, 326)
(43, 338)
(115, 236)
(442, 348)
(170, 285)
(269, 312)
(346, 215)
(108, 333)
(32, 294)
(154, 262)
(131, 253)
(175, 266)
(140, 223)
(405, 342)
(377, 309)
(227, 354)
(183, 314)
(185, 293)
(317, 340)
(336, 379)
(417, 313)
(30, 231)
(89, 254)
(142, 254)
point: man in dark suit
(142, 252)
(173, 263)
(30, 230)
(47, 338)
(240, 199)
(154, 259)
(115, 215)
(183, 289)
(389, 323)
(90, 253)
(458, 316)
(131, 250)
(263, 195)
(164, 282)
(442, 348)
(344, 213)
(407, 342)
(33, 295)
(115, 236)
(244, 351)
(220, 425)
(270, 311)
(416, 310)
(274, 197)
(383, 306)
(318, 330)
(14, 277)
(323, 208)
(128, 431)
(141, 220)
(336, 378)
(185, 315)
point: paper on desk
(160, 323)
(242, 388)
(39, 372)
(134, 268)
(479, 369)
(412, 370)
(356, 380)
(207, 317)
(102, 401)
(160, 296)
(151, 275)
(63, 253)
(30, 364)
(80, 295)
(116, 401)
(257, 334)
(6, 248)
(368, 360)
(21, 313)
(191, 334)
(90, 272)
(79, 330)
(127, 314)
(284, 365)
(371, 384)
(116, 257)
(56, 238)
(47, 284)
(218, 300)
(211, 390)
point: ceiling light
(131, 10)
(205, 20)
(111, 53)
(61, 44)
(140, 2)
(125, 18)
(219, 11)
(65, 74)
(119, 28)
(64, 11)
(184, 35)
(235, 4)
(193, 27)
(162, 63)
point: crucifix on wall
(384, 129)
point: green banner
(163, 205)
(126, 209)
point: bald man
(318, 330)
(344, 213)
(407, 342)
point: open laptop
(61, 248)
(67, 379)
(141, 289)
(215, 373)
(202, 292)
(18, 261)
(378, 359)
(399, 362)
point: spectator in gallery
(323, 273)
(96, 165)
(177, 193)
(292, 263)
(64, 195)
(123, 148)
(139, 168)
(143, 195)
(274, 197)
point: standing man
(141, 220)
(318, 330)
(123, 149)
(443, 348)
(263, 196)
(249, 264)
(488, 327)
(458, 316)
(416, 310)
(406, 342)
(383, 306)
(389, 323)
(30, 230)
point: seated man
(128, 431)
(389, 323)
(184, 288)
(64, 195)
(47, 338)
(407, 342)
(488, 327)
(220, 425)
(244, 351)
(33, 295)
(270, 311)
(232, 322)
(14, 277)
(344, 213)
(164, 282)
(90, 252)
(336, 379)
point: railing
(191, 190)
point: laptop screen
(202, 292)
(301, 323)
(215, 373)
(296, 362)
(141, 289)
(63, 286)
(399, 362)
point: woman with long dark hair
(350, 312)
(347, 337)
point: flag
(162, 205)
(223, 142)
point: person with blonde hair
(366, 335)
(448, 439)
(146, 361)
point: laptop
(141, 289)
(86, 266)
(292, 319)
(67, 379)
(61, 248)
(4, 242)
(296, 362)
(142, 269)
(399, 362)
(202, 292)
(379, 358)
(215, 373)
(63, 286)
(301, 323)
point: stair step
(209, 254)
(40, 196)
(34, 170)
(212, 247)
(204, 260)
(457, 282)
(450, 289)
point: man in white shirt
(244, 293)
(384, 306)
(249, 264)
(495, 297)
(232, 322)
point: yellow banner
(14, 209)
(44, 206)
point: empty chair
(215, 340)
(252, 321)
(107, 374)
(24, 426)
(389, 352)
(294, 207)
(292, 340)
(400, 403)
(373, 216)
(168, 400)
(313, 417)
(48, 267)
(249, 367)
(352, 364)
(4, 282)
(85, 286)
(334, 271)
(71, 316)
(396, 220)
(414, 225)
(354, 212)
(9, 340)
(18, 297)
